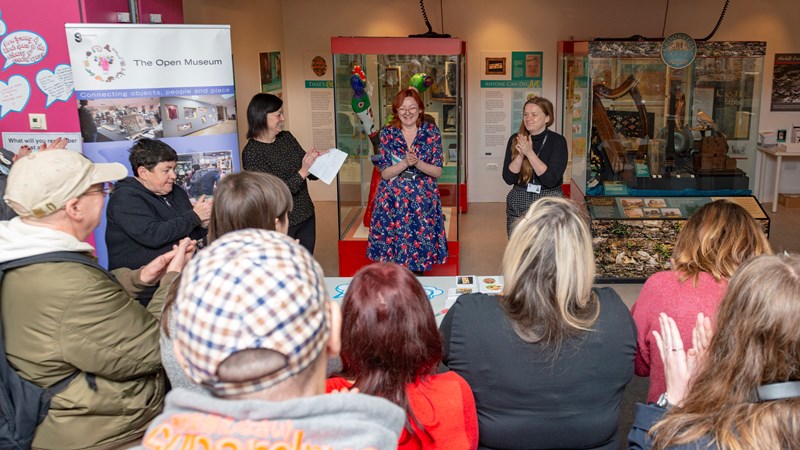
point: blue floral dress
(407, 225)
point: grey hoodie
(324, 422)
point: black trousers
(306, 233)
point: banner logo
(104, 63)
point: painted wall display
(786, 82)
(133, 86)
(271, 72)
(34, 74)
(503, 95)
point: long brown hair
(248, 200)
(398, 102)
(526, 173)
(389, 335)
(717, 239)
(756, 342)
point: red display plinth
(353, 248)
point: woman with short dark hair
(271, 149)
(392, 349)
(148, 213)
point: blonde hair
(717, 239)
(526, 172)
(756, 342)
(549, 270)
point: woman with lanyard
(535, 160)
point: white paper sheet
(327, 166)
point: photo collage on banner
(129, 85)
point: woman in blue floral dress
(407, 225)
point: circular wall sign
(678, 50)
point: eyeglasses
(407, 111)
(105, 191)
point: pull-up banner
(168, 82)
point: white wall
(509, 25)
(256, 26)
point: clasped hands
(411, 158)
(680, 364)
(524, 146)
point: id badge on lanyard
(536, 188)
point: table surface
(435, 287)
(791, 150)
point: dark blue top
(647, 416)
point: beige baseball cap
(41, 183)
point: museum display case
(636, 124)
(644, 126)
(368, 73)
(633, 237)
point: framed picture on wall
(392, 82)
(172, 112)
(450, 79)
(189, 113)
(184, 126)
(450, 118)
(495, 66)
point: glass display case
(650, 143)
(383, 67)
(639, 127)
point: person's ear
(334, 345)
(141, 171)
(73, 209)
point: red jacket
(443, 403)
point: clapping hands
(524, 146)
(172, 261)
(680, 363)
(58, 144)
(412, 158)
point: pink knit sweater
(662, 292)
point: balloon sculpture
(362, 106)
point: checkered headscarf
(250, 289)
